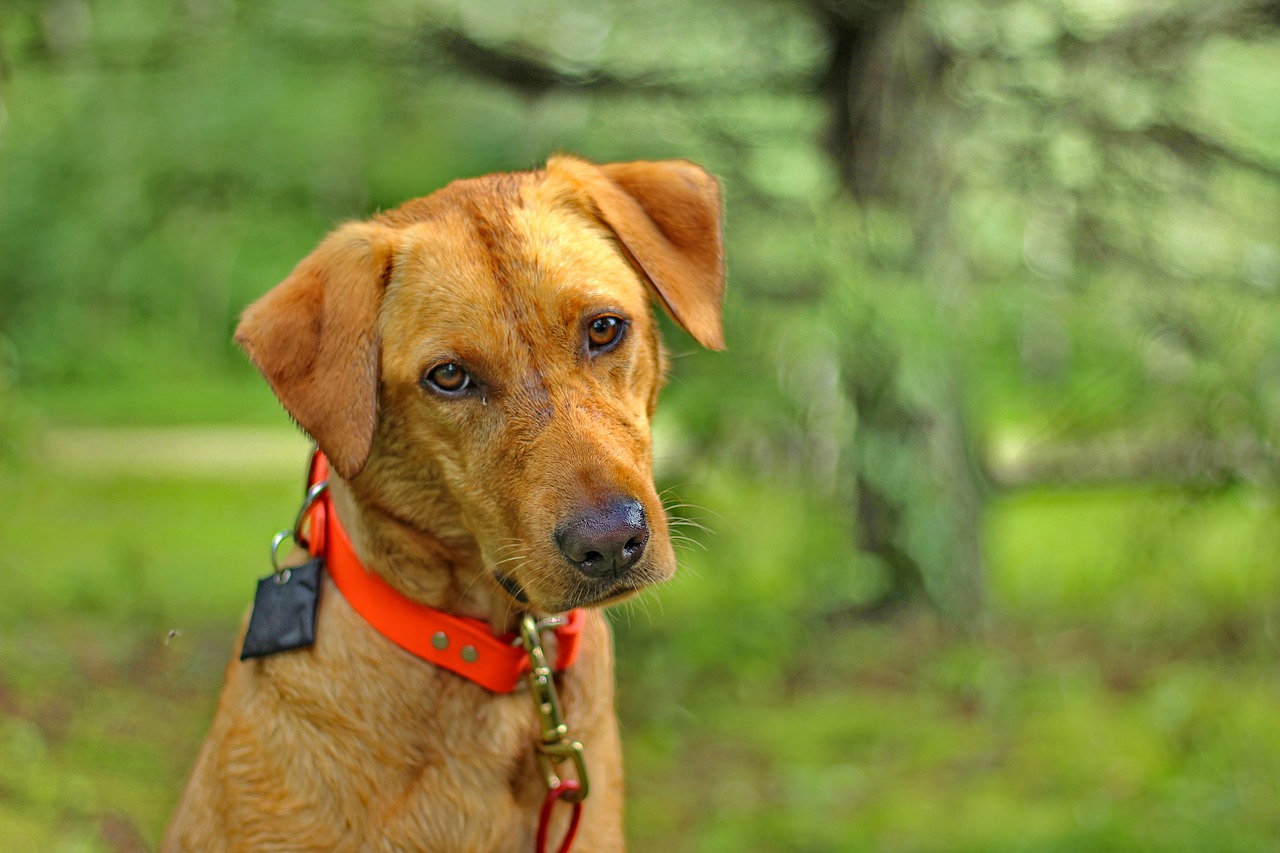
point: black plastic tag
(284, 614)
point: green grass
(924, 742)
(159, 550)
(99, 721)
(1137, 560)
(1122, 696)
(230, 396)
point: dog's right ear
(314, 337)
(666, 215)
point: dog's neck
(441, 567)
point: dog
(479, 367)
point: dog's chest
(410, 755)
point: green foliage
(11, 412)
(1065, 240)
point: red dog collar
(457, 643)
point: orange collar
(457, 643)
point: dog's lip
(608, 596)
(512, 587)
(612, 594)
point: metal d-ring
(313, 495)
(282, 575)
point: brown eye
(604, 331)
(448, 377)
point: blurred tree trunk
(906, 86)
(881, 89)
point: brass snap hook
(554, 743)
(313, 495)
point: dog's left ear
(314, 337)
(667, 216)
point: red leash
(544, 820)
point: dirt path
(189, 451)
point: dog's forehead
(506, 252)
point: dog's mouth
(607, 597)
(512, 587)
(611, 593)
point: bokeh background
(988, 473)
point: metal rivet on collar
(469, 654)
(440, 640)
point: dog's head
(482, 363)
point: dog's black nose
(605, 543)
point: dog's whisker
(489, 573)
(682, 510)
(679, 521)
(471, 583)
(678, 518)
(684, 542)
(688, 505)
(642, 601)
(684, 538)
(676, 512)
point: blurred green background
(989, 470)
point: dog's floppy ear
(314, 337)
(666, 214)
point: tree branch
(1131, 459)
(530, 71)
(1189, 144)
(1168, 30)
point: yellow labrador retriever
(479, 367)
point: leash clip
(554, 744)
(546, 623)
(295, 533)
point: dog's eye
(448, 377)
(604, 331)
